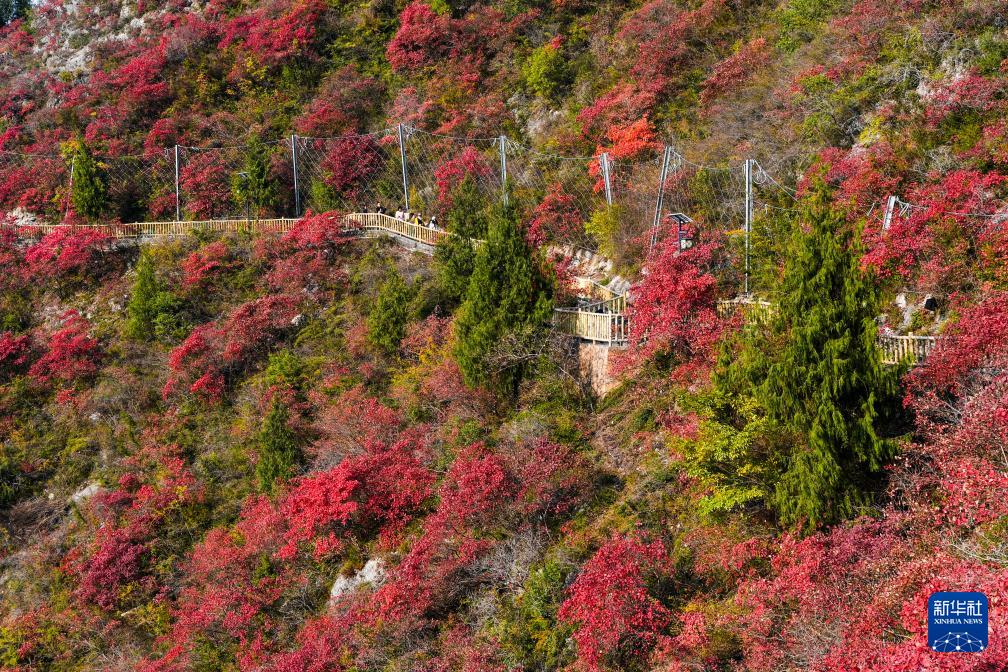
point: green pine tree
(255, 187)
(817, 373)
(388, 318)
(142, 310)
(455, 256)
(279, 451)
(89, 192)
(506, 293)
(13, 9)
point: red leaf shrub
(345, 101)
(450, 173)
(14, 352)
(276, 32)
(128, 531)
(66, 251)
(71, 352)
(423, 38)
(735, 70)
(557, 219)
(215, 350)
(673, 309)
(205, 264)
(351, 162)
(611, 603)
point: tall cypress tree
(817, 372)
(279, 451)
(89, 193)
(255, 187)
(455, 256)
(506, 293)
(142, 308)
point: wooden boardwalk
(896, 348)
(603, 322)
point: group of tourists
(411, 217)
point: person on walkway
(432, 224)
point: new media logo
(957, 622)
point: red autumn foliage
(345, 102)
(557, 219)
(14, 352)
(933, 242)
(423, 38)
(351, 162)
(205, 264)
(276, 31)
(66, 251)
(214, 350)
(318, 501)
(450, 174)
(612, 602)
(70, 353)
(128, 529)
(674, 309)
(736, 70)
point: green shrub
(279, 450)
(388, 318)
(528, 628)
(603, 226)
(89, 191)
(545, 71)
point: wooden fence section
(373, 223)
(367, 223)
(895, 349)
(608, 328)
(910, 348)
(755, 311)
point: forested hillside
(290, 447)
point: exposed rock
(373, 573)
(86, 493)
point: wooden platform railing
(598, 327)
(895, 348)
(367, 223)
(910, 348)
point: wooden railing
(366, 223)
(174, 228)
(376, 224)
(910, 348)
(755, 311)
(599, 327)
(895, 348)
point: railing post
(297, 192)
(890, 206)
(502, 143)
(748, 218)
(606, 178)
(660, 201)
(178, 200)
(73, 163)
(402, 158)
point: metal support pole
(889, 208)
(402, 158)
(660, 201)
(604, 164)
(178, 200)
(503, 167)
(297, 191)
(73, 164)
(748, 217)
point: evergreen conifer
(506, 293)
(278, 448)
(817, 373)
(89, 191)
